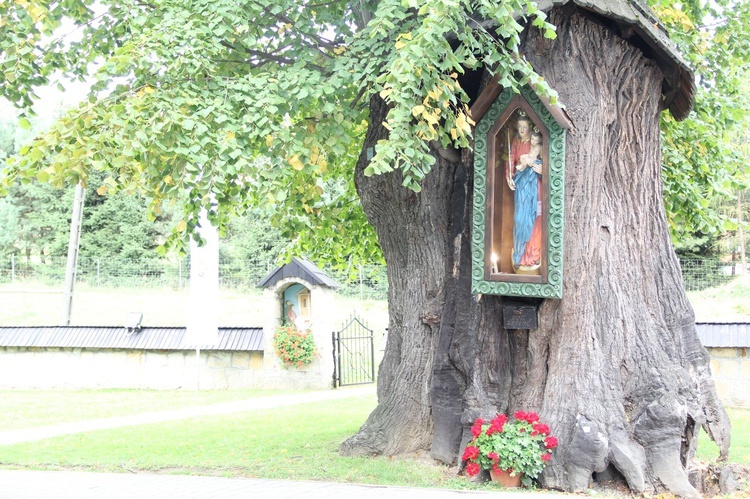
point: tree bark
(615, 367)
(411, 231)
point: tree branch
(318, 39)
(316, 5)
(269, 56)
(358, 97)
(152, 6)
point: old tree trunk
(615, 367)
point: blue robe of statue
(526, 200)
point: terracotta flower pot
(504, 478)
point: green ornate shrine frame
(549, 284)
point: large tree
(289, 105)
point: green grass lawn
(287, 443)
(297, 442)
(28, 408)
(739, 451)
(730, 302)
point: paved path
(25, 484)
(83, 485)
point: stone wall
(138, 369)
(169, 370)
(730, 368)
(78, 368)
(88, 362)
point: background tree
(43, 219)
(250, 248)
(268, 104)
(703, 165)
(118, 225)
(8, 227)
(36, 216)
(743, 210)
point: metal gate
(353, 354)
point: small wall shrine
(299, 294)
(519, 165)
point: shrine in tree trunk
(519, 172)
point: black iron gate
(353, 354)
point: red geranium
(499, 420)
(520, 444)
(498, 469)
(472, 469)
(540, 429)
(470, 452)
(497, 424)
(476, 428)
(532, 417)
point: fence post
(361, 284)
(333, 351)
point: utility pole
(73, 243)
(741, 234)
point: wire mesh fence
(699, 274)
(368, 282)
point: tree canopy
(229, 105)
(256, 103)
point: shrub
(295, 348)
